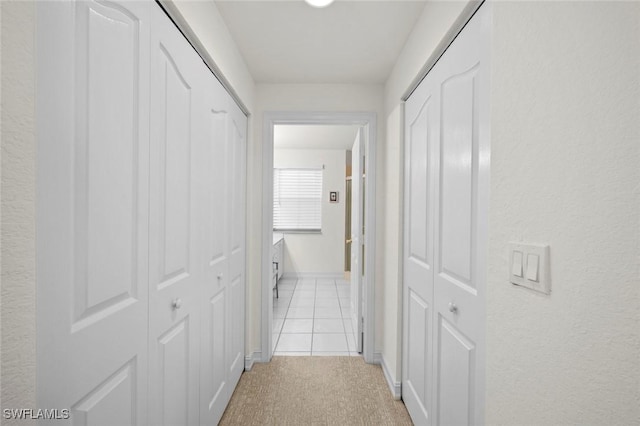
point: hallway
(314, 390)
(501, 177)
(312, 317)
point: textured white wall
(303, 97)
(432, 25)
(324, 252)
(565, 171)
(18, 369)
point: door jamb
(368, 121)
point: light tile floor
(312, 317)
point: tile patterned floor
(312, 317)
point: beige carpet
(314, 391)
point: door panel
(174, 322)
(420, 247)
(237, 244)
(106, 162)
(237, 355)
(218, 180)
(92, 241)
(419, 347)
(457, 183)
(111, 402)
(422, 133)
(237, 198)
(462, 232)
(173, 374)
(214, 189)
(175, 172)
(456, 282)
(447, 121)
(456, 375)
(215, 381)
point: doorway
(291, 276)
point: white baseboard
(302, 275)
(394, 386)
(251, 359)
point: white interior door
(221, 185)
(141, 213)
(421, 134)
(461, 231)
(93, 165)
(175, 277)
(446, 205)
(237, 246)
(215, 189)
(357, 169)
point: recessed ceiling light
(319, 3)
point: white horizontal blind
(297, 199)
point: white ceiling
(314, 136)
(288, 41)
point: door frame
(369, 122)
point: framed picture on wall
(333, 196)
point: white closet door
(222, 227)
(237, 207)
(174, 269)
(93, 151)
(215, 388)
(446, 187)
(141, 220)
(461, 231)
(421, 136)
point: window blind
(297, 199)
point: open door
(357, 166)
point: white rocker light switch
(529, 266)
(532, 267)
(516, 265)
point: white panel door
(237, 253)
(461, 231)
(141, 220)
(421, 134)
(222, 186)
(174, 268)
(446, 205)
(357, 213)
(93, 169)
(214, 188)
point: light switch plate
(520, 254)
